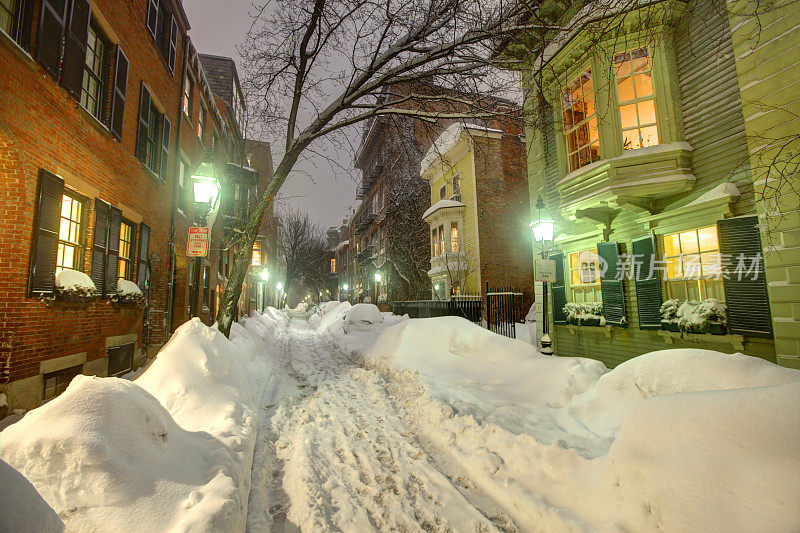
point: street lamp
(205, 190)
(345, 287)
(265, 274)
(377, 281)
(543, 229)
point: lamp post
(543, 228)
(278, 293)
(377, 281)
(205, 190)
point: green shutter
(143, 128)
(41, 278)
(142, 276)
(77, 33)
(746, 297)
(559, 291)
(119, 94)
(52, 15)
(648, 283)
(112, 254)
(611, 284)
(97, 269)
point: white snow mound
(74, 280)
(126, 287)
(361, 315)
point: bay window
(637, 103)
(580, 122)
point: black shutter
(112, 256)
(97, 270)
(51, 33)
(173, 45)
(144, 125)
(611, 287)
(75, 47)
(132, 252)
(120, 91)
(165, 131)
(41, 278)
(559, 291)
(144, 245)
(746, 297)
(152, 16)
(648, 283)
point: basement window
(120, 359)
(56, 382)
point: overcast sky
(217, 25)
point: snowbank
(361, 315)
(74, 281)
(675, 440)
(21, 507)
(170, 451)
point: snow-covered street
(342, 418)
(331, 437)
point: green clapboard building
(663, 137)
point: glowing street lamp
(378, 276)
(205, 188)
(345, 287)
(544, 226)
(279, 286)
(265, 274)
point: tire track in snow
(336, 455)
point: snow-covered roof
(341, 245)
(447, 140)
(441, 204)
(723, 190)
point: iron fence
(467, 306)
(504, 308)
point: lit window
(188, 84)
(441, 239)
(693, 265)
(333, 265)
(93, 89)
(584, 276)
(125, 270)
(637, 104)
(454, 237)
(255, 259)
(580, 122)
(70, 234)
(434, 243)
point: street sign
(544, 270)
(197, 244)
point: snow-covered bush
(74, 285)
(587, 313)
(702, 316)
(669, 310)
(128, 292)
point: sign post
(197, 244)
(544, 270)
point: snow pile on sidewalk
(354, 327)
(169, 451)
(675, 440)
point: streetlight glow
(265, 274)
(345, 286)
(279, 286)
(543, 227)
(377, 277)
(205, 185)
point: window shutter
(41, 278)
(51, 33)
(144, 245)
(173, 45)
(747, 298)
(119, 93)
(559, 291)
(112, 256)
(648, 283)
(611, 287)
(144, 125)
(97, 270)
(152, 17)
(132, 252)
(75, 47)
(165, 131)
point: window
(457, 187)
(454, 237)
(127, 237)
(93, 89)
(580, 122)
(182, 179)
(70, 233)
(188, 88)
(333, 265)
(56, 382)
(443, 192)
(120, 359)
(637, 104)
(201, 122)
(12, 13)
(434, 243)
(693, 265)
(164, 29)
(151, 149)
(255, 259)
(206, 282)
(584, 276)
(441, 239)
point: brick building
(105, 113)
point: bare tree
(318, 67)
(303, 252)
